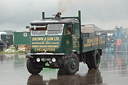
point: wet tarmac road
(113, 71)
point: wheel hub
(73, 64)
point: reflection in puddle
(114, 69)
(114, 63)
(92, 77)
(17, 59)
(6, 57)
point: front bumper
(55, 60)
(46, 54)
(29, 55)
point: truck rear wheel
(31, 68)
(71, 66)
(96, 60)
(89, 63)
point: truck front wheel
(31, 68)
(71, 65)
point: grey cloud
(19, 13)
(16, 14)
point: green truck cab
(62, 43)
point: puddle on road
(93, 77)
(113, 71)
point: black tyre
(96, 60)
(89, 63)
(31, 68)
(71, 65)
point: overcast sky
(106, 14)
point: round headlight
(53, 59)
(38, 59)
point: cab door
(67, 39)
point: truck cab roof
(54, 21)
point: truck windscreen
(55, 29)
(50, 29)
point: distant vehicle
(62, 43)
(2, 33)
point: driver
(68, 30)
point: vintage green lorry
(62, 43)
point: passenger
(57, 16)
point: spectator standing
(7, 44)
(1, 45)
(118, 44)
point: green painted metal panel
(93, 43)
(67, 43)
(46, 43)
(21, 38)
